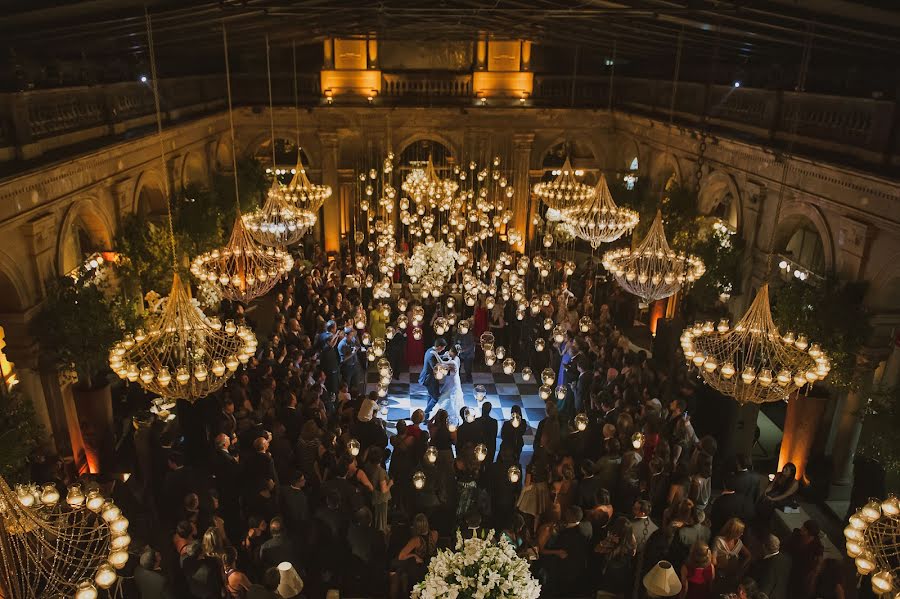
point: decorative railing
(434, 86)
(36, 121)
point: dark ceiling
(748, 32)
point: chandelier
(308, 197)
(599, 220)
(242, 270)
(278, 222)
(753, 362)
(565, 191)
(427, 189)
(872, 543)
(183, 354)
(54, 546)
(652, 270)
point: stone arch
(665, 168)
(193, 170)
(433, 136)
(85, 228)
(150, 194)
(540, 158)
(627, 150)
(222, 154)
(797, 215)
(260, 146)
(15, 293)
(720, 197)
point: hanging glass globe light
(565, 191)
(599, 219)
(242, 270)
(278, 222)
(182, 354)
(772, 366)
(652, 270)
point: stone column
(852, 243)
(22, 350)
(848, 426)
(40, 235)
(330, 215)
(522, 144)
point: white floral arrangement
(478, 569)
(432, 263)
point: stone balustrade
(864, 130)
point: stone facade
(855, 214)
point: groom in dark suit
(427, 378)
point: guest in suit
(772, 573)
(744, 481)
(427, 378)
(148, 577)
(295, 504)
(487, 429)
(279, 548)
(466, 343)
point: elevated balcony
(858, 131)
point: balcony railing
(866, 130)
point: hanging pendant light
(653, 270)
(242, 270)
(182, 354)
(600, 220)
(753, 362)
(279, 221)
(565, 192)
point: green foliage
(19, 435)
(831, 314)
(202, 219)
(77, 325)
(145, 255)
(721, 251)
(882, 421)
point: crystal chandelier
(652, 270)
(54, 546)
(183, 354)
(278, 222)
(565, 191)
(871, 541)
(599, 220)
(754, 362)
(242, 270)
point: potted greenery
(20, 435)
(77, 325)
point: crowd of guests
(294, 462)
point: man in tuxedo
(427, 378)
(745, 482)
(772, 573)
(487, 429)
(348, 350)
(326, 345)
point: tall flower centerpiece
(432, 264)
(478, 568)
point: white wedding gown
(451, 397)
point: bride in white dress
(451, 397)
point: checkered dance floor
(503, 391)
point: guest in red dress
(415, 348)
(697, 573)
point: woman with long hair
(697, 573)
(730, 555)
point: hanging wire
(162, 146)
(296, 96)
(237, 200)
(271, 108)
(801, 87)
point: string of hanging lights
(55, 546)
(653, 270)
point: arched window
(630, 178)
(805, 248)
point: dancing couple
(445, 394)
